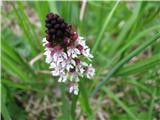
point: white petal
(48, 59)
(55, 73)
(44, 40)
(64, 79)
(69, 52)
(73, 62)
(71, 89)
(60, 79)
(52, 65)
(64, 55)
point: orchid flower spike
(64, 51)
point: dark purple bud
(55, 16)
(56, 26)
(49, 45)
(67, 33)
(66, 40)
(48, 25)
(59, 33)
(80, 47)
(52, 52)
(57, 29)
(47, 20)
(53, 22)
(50, 15)
(74, 36)
(63, 25)
(60, 20)
(48, 38)
(53, 37)
(52, 30)
(69, 27)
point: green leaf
(120, 103)
(84, 99)
(25, 28)
(65, 104)
(5, 112)
(152, 105)
(124, 61)
(42, 8)
(140, 66)
(107, 20)
(123, 34)
(14, 57)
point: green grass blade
(4, 112)
(132, 42)
(73, 106)
(137, 37)
(124, 61)
(42, 9)
(151, 108)
(12, 84)
(18, 71)
(139, 86)
(53, 7)
(123, 34)
(14, 56)
(25, 30)
(84, 99)
(120, 103)
(107, 20)
(13, 69)
(65, 104)
(140, 66)
(29, 25)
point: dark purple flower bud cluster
(56, 29)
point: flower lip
(77, 61)
(49, 45)
(80, 47)
(66, 41)
(72, 70)
(74, 36)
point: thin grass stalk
(107, 20)
(123, 34)
(132, 41)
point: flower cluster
(64, 50)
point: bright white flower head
(65, 53)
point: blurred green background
(124, 39)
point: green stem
(84, 98)
(65, 102)
(73, 106)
